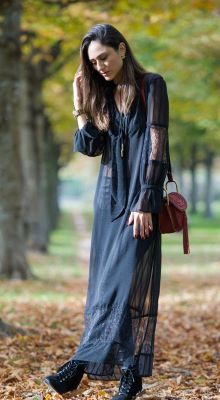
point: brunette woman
(110, 92)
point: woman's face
(106, 60)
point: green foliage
(177, 39)
(187, 54)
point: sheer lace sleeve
(155, 151)
(89, 140)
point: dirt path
(84, 238)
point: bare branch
(64, 3)
(58, 66)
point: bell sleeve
(154, 162)
(89, 140)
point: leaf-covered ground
(50, 310)
(187, 347)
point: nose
(100, 65)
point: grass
(59, 274)
(61, 260)
(204, 236)
(54, 271)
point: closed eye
(103, 58)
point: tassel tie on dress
(119, 178)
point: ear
(122, 49)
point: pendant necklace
(121, 127)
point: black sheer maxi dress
(124, 274)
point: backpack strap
(186, 248)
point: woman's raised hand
(77, 91)
(142, 223)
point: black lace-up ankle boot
(130, 385)
(67, 378)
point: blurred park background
(46, 198)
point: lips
(105, 73)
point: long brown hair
(95, 87)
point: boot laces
(126, 381)
(68, 371)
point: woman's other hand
(142, 223)
(77, 90)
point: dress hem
(114, 370)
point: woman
(125, 258)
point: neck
(118, 78)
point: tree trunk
(10, 330)
(39, 156)
(52, 166)
(13, 262)
(29, 167)
(180, 168)
(33, 161)
(194, 189)
(208, 184)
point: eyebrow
(101, 54)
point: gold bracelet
(76, 113)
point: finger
(146, 231)
(150, 222)
(77, 80)
(142, 227)
(131, 218)
(135, 227)
(147, 224)
(79, 73)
